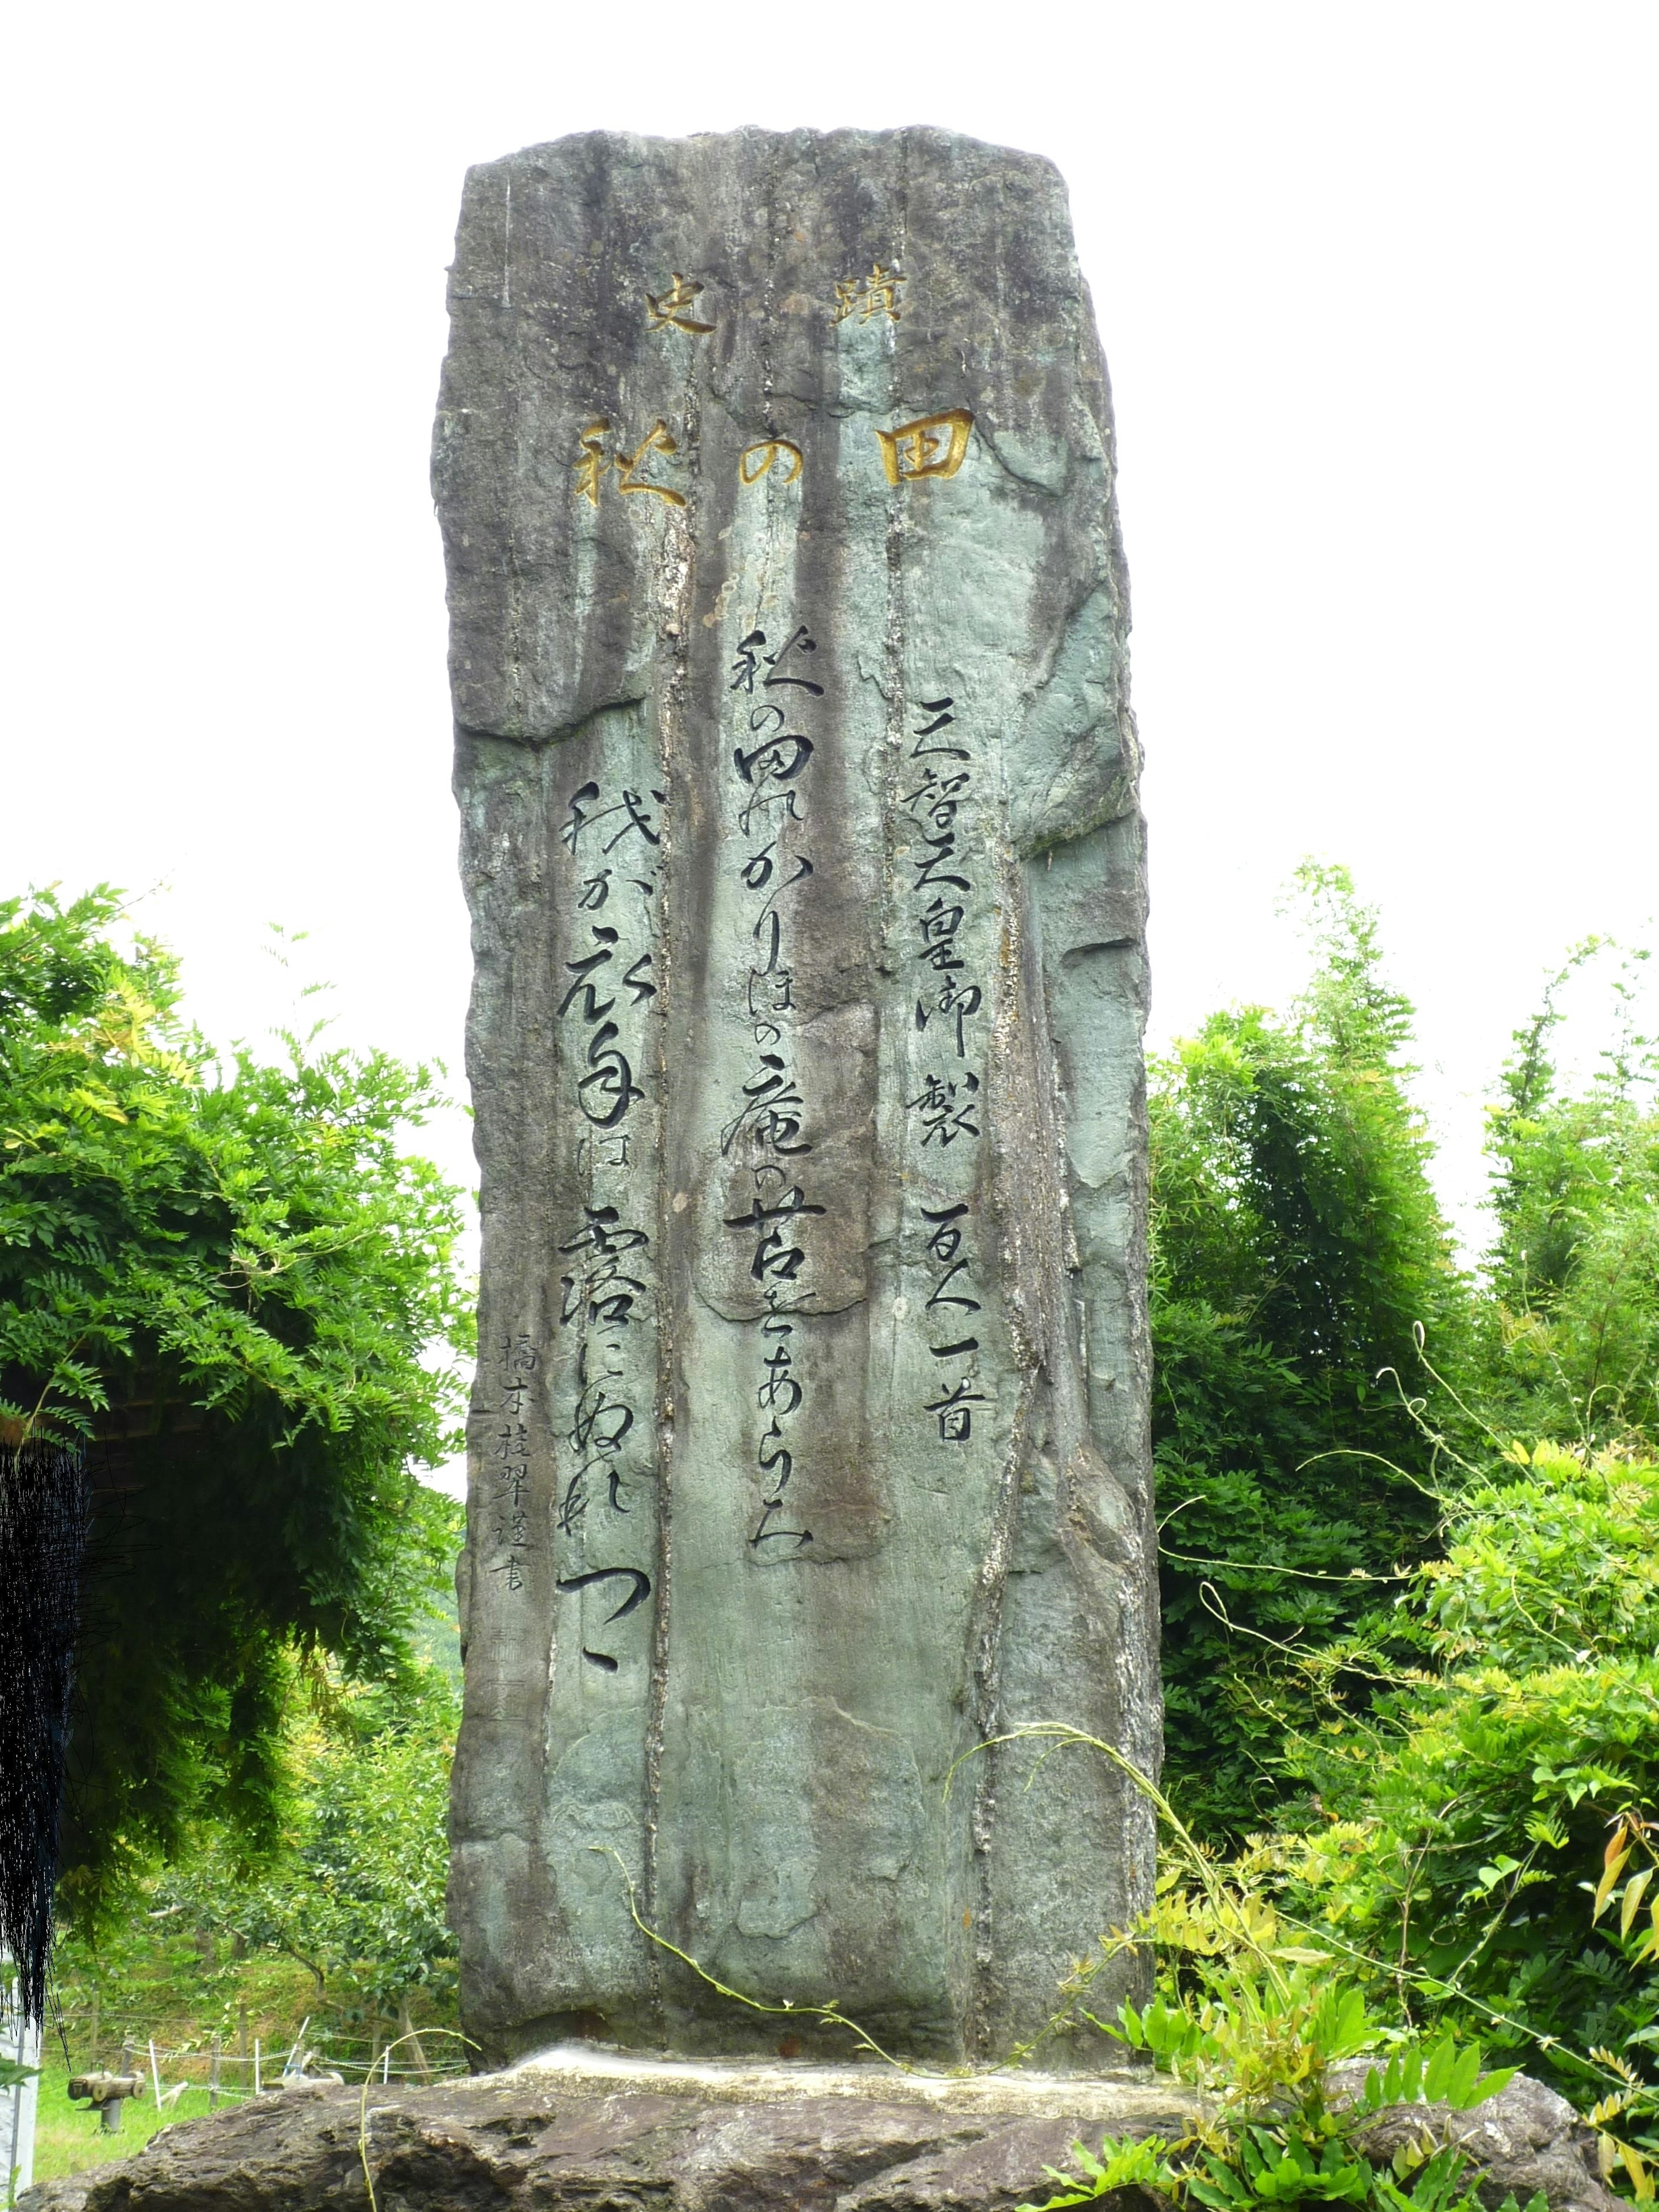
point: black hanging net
(43, 1530)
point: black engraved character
(574, 1507)
(942, 795)
(630, 804)
(511, 1478)
(938, 925)
(800, 642)
(758, 868)
(943, 1295)
(801, 1537)
(778, 756)
(939, 709)
(637, 818)
(638, 1593)
(775, 1110)
(945, 1239)
(602, 1286)
(571, 831)
(769, 914)
(601, 1422)
(769, 932)
(746, 666)
(596, 890)
(941, 1116)
(609, 1078)
(956, 1422)
(771, 991)
(780, 1393)
(961, 1000)
(773, 1255)
(940, 850)
(748, 663)
(777, 1463)
(512, 1528)
(583, 971)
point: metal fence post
(21, 2042)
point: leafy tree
(1575, 1269)
(1297, 1248)
(355, 1894)
(232, 1280)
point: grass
(68, 2138)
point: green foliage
(1260, 2022)
(356, 1895)
(1469, 1810)
(232, 1280)
(1297, 1248)
(1575, 1269)
(343, 1924)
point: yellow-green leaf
(1605, 1889)
(1632, 1904)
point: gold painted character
(876, 295)
(933, 445)
(594, 461)
(769, 450)
(627, 471)
(672, 310)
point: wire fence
(254, 2065)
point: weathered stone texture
(587, 2131)
(564, 2136)
(798, 786)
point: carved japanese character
(765, 455)
(672, 310)
(933, 446)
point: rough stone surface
(798, 788)
(1526, 2140)
(586, 2133)
(589, 2130)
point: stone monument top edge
(839, 140)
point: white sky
(1377, 284)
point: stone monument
(797, 789)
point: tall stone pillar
(798, 788)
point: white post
(17, 2106)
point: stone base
(608, 2132)
(581, 2126)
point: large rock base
(591, 2130)
(608, 2133)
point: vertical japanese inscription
(507, 1455)
(612, 843)
(773, 691)
(943, 904)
